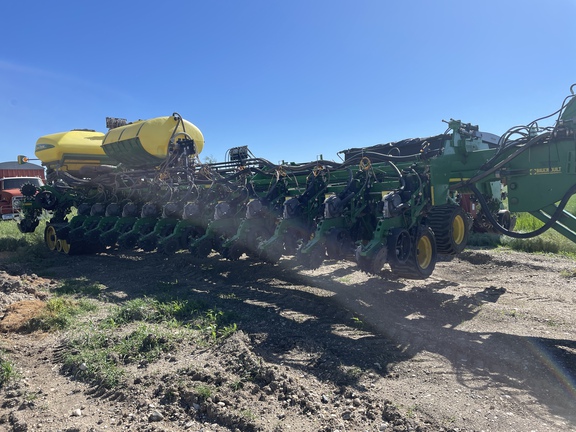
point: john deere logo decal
(40, 147)
(539, 171)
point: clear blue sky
(290, 79)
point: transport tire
(451, 228)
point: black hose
(499, 165)
(306, 167)
(272, 191)
(553, 219)
(381, 157)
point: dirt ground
(488, 343)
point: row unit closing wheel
(338, 244)
(54, 243)
(256, 237)
(314, 258)
(63, 246)
(50, 237)
(421, 260)
(373, 265)
(450, 224)
(172, 243)
(233, 252)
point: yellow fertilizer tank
(72, 150)
(147, 143)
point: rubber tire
(423, 257)
(451, 228)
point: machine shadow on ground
(335, 328)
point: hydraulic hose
(496, 167)
(381, 157)
(553, 219)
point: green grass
(526, 222)
(248, 415)
(140, 330)
(146, 342)
(211, 323)
(27, 245)
(550, 241)
(568, 273)
(105, 354)
(237, 385)
(88, 356)
(80, 286)
(60, 313)
(7, 372)
(203, 391)
(357, 322)
(486, 240)
(152, 310)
